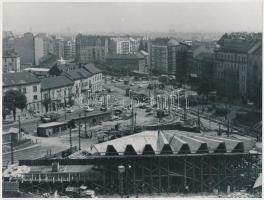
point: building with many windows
(95, 82)
(90, 48)
(41, 47)
(233, 66)
(125, 63)
(26, 83)
(57, 91)
(82, 83)
(168, 56)
(11, 62)
(69, 48)
(123, 45)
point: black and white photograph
(123, 99)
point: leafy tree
(46, 102)
(14, 99)
(5, 112)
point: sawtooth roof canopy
(167, 142)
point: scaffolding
(161, 173)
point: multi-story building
(8, 41)
(194, 59)
(95, 81)
(254, 78)
(57, 90)
(91, 49)
(233, 64)
(24, 46)
(144, 68)
(82, 83)
(168, 56)
(59, 48)
(69, 49)
(203, 66)
(125, 63)
(26, 83)
(41, 47)
(123, 45)
(11, 62)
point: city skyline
(133, 17)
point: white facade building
(28, 84)
(11, 63)
(39, 46)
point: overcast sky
(133, 17)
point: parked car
(103, 108)
(88, 109)
(69, 110)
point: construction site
(176, 152)
(147, 162)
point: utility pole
(219, 129)
(209, 121)
(12, 151)
(85, 126)
(228, 128)
(199, 122)
(19, 125)
(79, 131)
(70, 138)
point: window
(24, 90)
(35, 88)
(35, 97)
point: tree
(46, 102)
(14, 99)
(5, 112)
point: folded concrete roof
(167, 142)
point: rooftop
(92, 69)
(124, 56)
(169, 142)
(51, 124)
(239, 42)
(19, 78)
(78, 74)
(55, 82)
(166, 41)
(91, 40)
